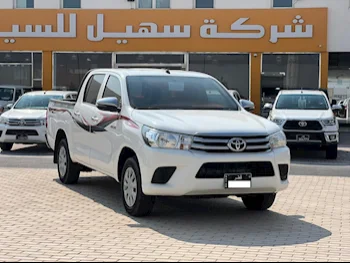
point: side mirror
(268, 106)
(334, 102)
(9, 106)
(247, 105)
(109, 104)
(336, 108)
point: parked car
(343, 115)
(307, 119)
(25, 121)
(167, 133)
(10, 94)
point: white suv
(307, 119)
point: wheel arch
(125, 154)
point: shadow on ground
(208, 221)
(312, 157)
(28, 150)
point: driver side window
(113, 89)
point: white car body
(27, 126)
(292, 122)
(17, 91)
(102, 148)
(344, 117)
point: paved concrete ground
(43, 220)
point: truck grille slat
(220, 144)
(24, 122)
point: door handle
(77, 113)
(94, 119)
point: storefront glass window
(71, 3)
(16, 68)
(70, 68)
(37, 69)
(232, 70)
(24, 3)
(339, 75)
(150, 59)
(288, 71)
(163, 4)
(282, 3)
(204, 3)
(145, 3)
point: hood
(25, 114)
(205, 122)
(302, 115)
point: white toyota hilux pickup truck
(167, 133)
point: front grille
(220, 144)
(22, 132)
(292, 136)
(311, 126)
(24, 122)
(218, 170)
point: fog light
(162, 175)
(284, 170)
(332, 137)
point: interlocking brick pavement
(42, 220)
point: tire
(70, 174)
(261, 202)
(137, 204)
(6, 147)
(332, 152)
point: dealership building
(253, 46)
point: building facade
(253, 46)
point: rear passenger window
(113, 89)
(93, 89)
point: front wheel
(332, 152)
(135, 202)
(6, 147)
(261, 202)
(68, 171)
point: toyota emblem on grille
(237, 145)
(23, 122)
(302, 124)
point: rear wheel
(68, 171)
(6, 147)
(259, 202)
(332, 152)
(135, 202)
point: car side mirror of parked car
(248, 105)
(109, 104)
(336, 108)
(9, 106)
(268, 107)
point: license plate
(238, 181)
(303, 138)
(22, 137)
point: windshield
(38, 102)
(302, 102)
(6, 94)
(178, 93)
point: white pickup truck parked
(167, 133)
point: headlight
(4, 120)
(166, 140)
(279, 122)
(329, 122)
(278, 140)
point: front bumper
(184, 182)
(35, 135)
(321, 139)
